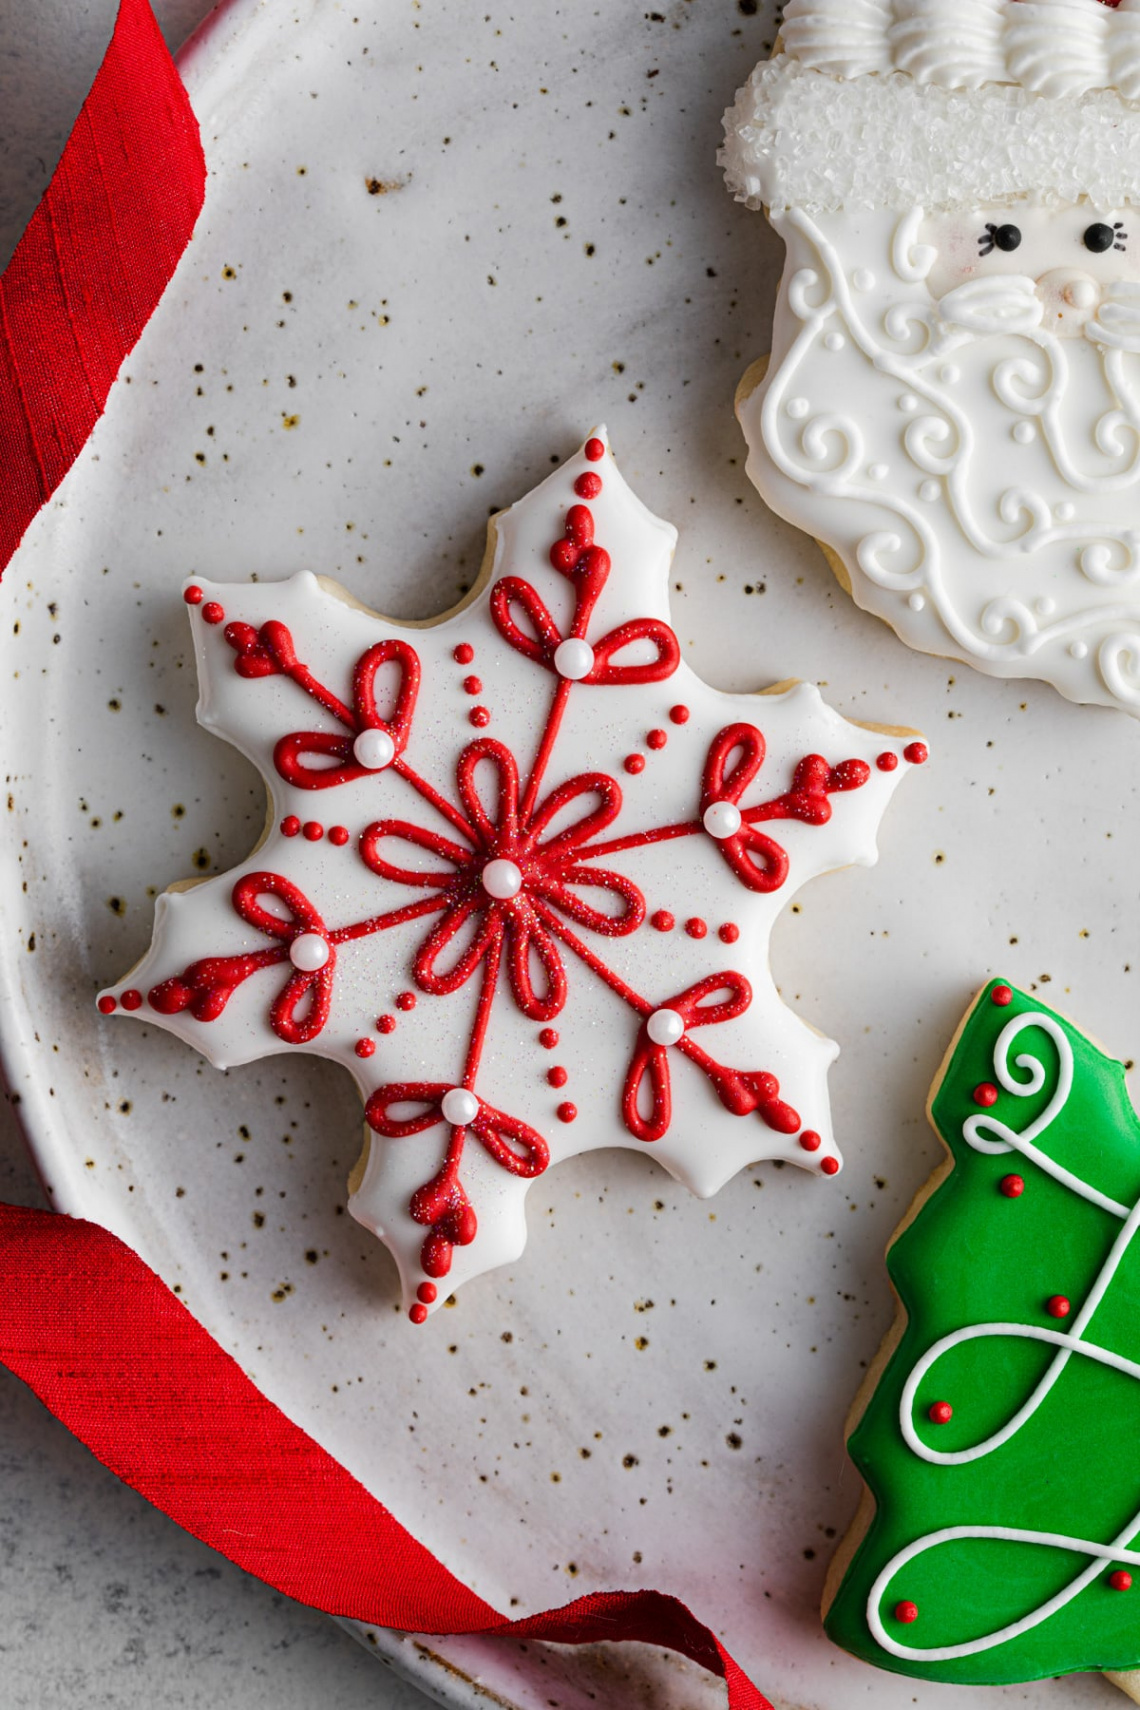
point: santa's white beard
(978, 474)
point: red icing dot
(906, 1612)
(679, 714)
(696, 927)
(131, 999)
(917, 753)
(290, 825)
(557, 1077)
(728, 933)
(1121, 1580)
(887, 761)
(548, 1038)
(193, 595)
(428, 1293)
(829, 1166)
(940, 1413)
(1012, 1186)
(1001, 995)
(385, 1024)
(810, 1140)
(107, 1004)
(662, 921)
(1058, 1306)
(338, 834)
(595, 450)
(472, 685)
(312, 831)
(480, 717)
(986, 1094)
(657, 738)
(213, 612)
(634, 763)
(464, 653)
(406, 1000)
(567, 1112)
(588, 486)
(418, 1313)
(364, 1047)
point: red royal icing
(212, 612)
(312, 831)
(131, 999)
(338, 834)
(107, 1004)
(595, 450)
(906, 1612)
(472, 685)
(385, 1024)
(1001, 995)
(1012, 1186)
(567, 1112)
(986, 1094)
(406, 1000)
(657, 738)
(696, 927)
(810, 1140)
(940, 1413)
(427, 1292)
(829, 1166)
(464, 653)
(728, 933)
(1058, 1306)
(418, 1313)
(887, 762)
(588, 486)
(548, 1039)
(290, 826)
(557, 1077)
(679, 714)
(634, 763)
(480, 717)
(365, 1047)
(662, 920)
(917, 753)
(193, 595)
(1120, 1580)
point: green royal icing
(1063, 1456)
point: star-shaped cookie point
(519, 876)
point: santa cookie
(519, 876)
(952, 404)
(999, 1538)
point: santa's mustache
(1013, 303)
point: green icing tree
(1001, 1442)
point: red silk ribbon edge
(93, 262)
(118, 1359)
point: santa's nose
(1070, 297)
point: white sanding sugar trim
(1050, 47)
(797, 138)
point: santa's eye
(1006, 238)
(1099, 237)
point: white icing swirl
(1053, 48)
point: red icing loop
(756, 859)
(595, 450)
(661, 638)
(271, 649)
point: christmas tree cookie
(518, 877)
(999, 1536)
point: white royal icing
(987, 1133)
(468, 667)
(966, 434)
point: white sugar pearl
(1081, 294)
(930, 490)
(951, 374)
(878, 471)
(460, 1106)
(917, 602)
(798, 408)
(374, 749)
(835, 341)
(908, 403)
(1065, 512)
(863, 279)
(722, 819)
(1079, 650)
(1024, 433)
(1045, 607)
(309, 951)
(665, 1027)
(502, 880)
(574, 659)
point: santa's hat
(892, 103)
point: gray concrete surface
(104, 1603)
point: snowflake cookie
(519, 876)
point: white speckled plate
(440, 243)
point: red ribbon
(90, 1328)
(95, 258)
(109, 1349)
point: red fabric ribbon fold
(120, 1361)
